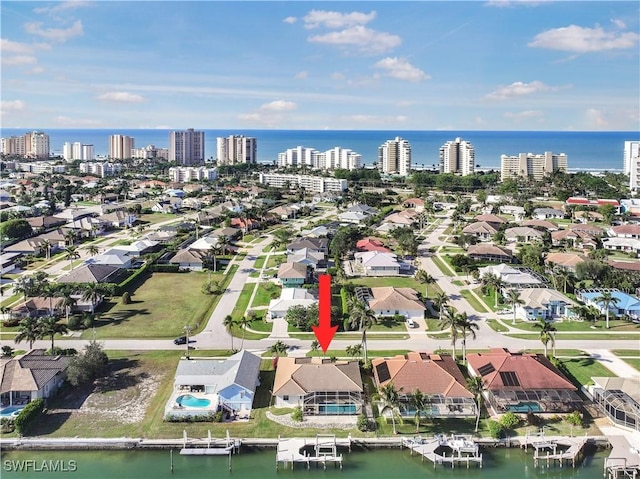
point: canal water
(372, 464)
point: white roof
(292, 297)
(371, 259)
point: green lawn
(627, 352)
(398, 282)
(154, 218)
(264, 294)
(439, 262)
(496, 326)
(581, 370)
(243, 301)
(275, 260)
(150, 314)
(259, 262)
(473, 301)
(577, 326)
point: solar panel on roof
(509, 378)
(424, 356)
(383, 372)
(486, 369)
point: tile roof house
(523, 234)
(626, 304)
(290, 297)
(190, 259)
(494, 220)
(589, 229)
(481, 229)
(566, 261)
(436, 376)
(402, 218)
(512, 277)
(372, 244)
(319, 386)
(94, 273)
(544, 303)
(573, 238)
(626, 231)
(353, 217)
(33, 375)
(627, 244)
(293, 275)
(216, 385)
(415, 203)
(489, 252)
(374, 263)
(389, 301)
(523, 382)
(547, 225)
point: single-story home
(481, 229)
(374, 263)
(30, 376)
(494, 220)
(190, 259)
(290, 297)
(208, 385)
(624, 305)
(389, 301)
(372, 244)
(626, 231)
(512, 277)
(617, 243)
(437, 376)
(94, 273)
(8, 262)
(548, 213)
(547, 225)
(565, 261)
(489, 252)
(523, 383)
(319, 386)
(619, 399)
(544, 303)
(523, 234)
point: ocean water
(585, 150)
(375, 464)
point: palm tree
(46, 244)
(70, 237)
(92, 250)
(513, 297)
(607, 300)
(353, 351)
(223, 243)
(49, 326)
(93, 292)
(363, 318)
(71, 253)
(243, 323)
(450, 321)
(28, 330)
(418, 401)
(24, 285)
(278, 348)
(315, 345)
(546, 334)
(425, 278)
(475, 387)
(67, 302)
(465, 326)
(390, 400)
(229, 323)
(440, 301)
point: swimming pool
(10, 411)
(337, 408)
(525, 407)
(188, 400)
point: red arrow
(324, 332)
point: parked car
(411, 323)
(180, 340)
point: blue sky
(465, 65)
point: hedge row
(28, 414)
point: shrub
(296, 415)
(7, 351)
(11, 322)
(362, 423)
(496, 429)
(75, 322)
(28, 414)
(510, 420)
(575, 418)
(87, 322)
(7, 425)
(533, 420)
(126, 297)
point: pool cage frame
(619, 407)
(548, 400)
(313, 400)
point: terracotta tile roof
(297, 376)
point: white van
(410, 323)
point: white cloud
(301, 75)
(401, 69)
(279, 105)
(19, 60)
(11, 106)
(524, 115)
(36, 70)
(55, 34)
(365, 40)
(595, 118)
(513, 3)
(70, 5)
(290, 20)
(374, 119)
(73, 122)
(518, 89)
(619, 23)
(328, 19)
(583, 39)
(121, 96)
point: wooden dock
(623, 462)
(324, 450)
(209, 446)
(463, 450)
(554, 449)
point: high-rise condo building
(332, 159)
(342, 158)
(299, 156)
(186, 147)
(34, 144)
(77, 151)
(394, 157)
(236, 149)
(121, 146)
(150, 152)
(14, 145)
(457, 156)
(631, 163)
(528, 164)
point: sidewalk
(613, 363)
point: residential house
(437, 376)
(282, 212)
(564, 261)
(625, 304)
(227, 385)
(315, 245)
(544, 303)
(37, 307)
(512, 277)
(164, 206)
(34, 246)
(353, 217)
(386, 228)
(43, 223)
(119, 219)
(523, 234)
(493, 220)
(228, 232)
(30, 376)
(481, 229)
(374, 263)
(319, 386)
(517, 212)
(414, 203)
(391, 301)
(8, 262)
(547, 213)
(74, 214)
(624, 265)
(489, 252)
(619, 399)
(190, 259)
(372, 244)
(402, 218)
(589, 229)
(588, 216)
(293, 275)
(112, 257)
(56, 238)
(547, 225)
(629, 245)
(315, 260)
(573, 238)
(85, 227)
(631, 231)
(523, 383)
(290, 297)
(94, 273)
(362, 208)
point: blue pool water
(10, 411)
(337, 408)
(525, 407)
(188, 400)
